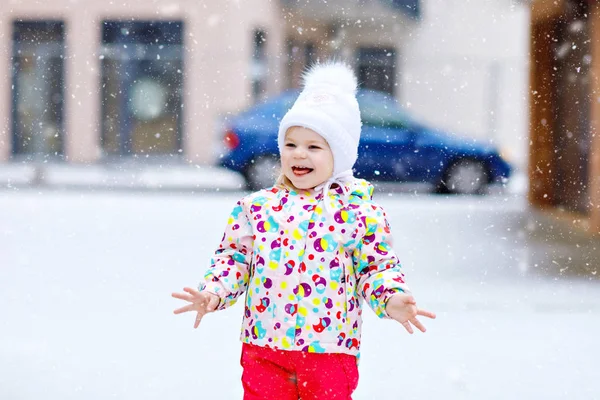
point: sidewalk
(155, 176)
(120, 176)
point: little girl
(308, 252)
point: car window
(379, 109)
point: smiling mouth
(301, 171)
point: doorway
(142, 87)
(38, 88)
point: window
(259, 64)
(377, 69)
(300, 56)
(38, 87)
(142, 85)
(377, 109)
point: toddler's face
(306, 159)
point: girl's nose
(300, 152)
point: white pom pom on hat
(335, 74)
(328, 106)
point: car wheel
(262, 172)
(465, 177)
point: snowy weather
(87, 313)
(431, 166)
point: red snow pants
(291, 375)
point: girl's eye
(290, 145)
(314, 147)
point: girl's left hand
(403, 308)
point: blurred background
(130, 128)
(159, 81)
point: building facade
(564, 166)
(106, 82)
(88, 81)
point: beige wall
(220, 66)
(218, 49)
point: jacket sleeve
(228, 274)
(378, 270)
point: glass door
(377, 69)
(38, 85)
(142, 84)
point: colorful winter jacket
(306, 268)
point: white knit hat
(328, 106)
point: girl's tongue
(299, 171)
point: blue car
(393, 148)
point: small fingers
(418, 324)
(183, 296)
(407, 326)
(192, 291)
(426, 313)
(189, 307)
(199, 316)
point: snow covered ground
(86, 312)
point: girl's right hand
(201, 302)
